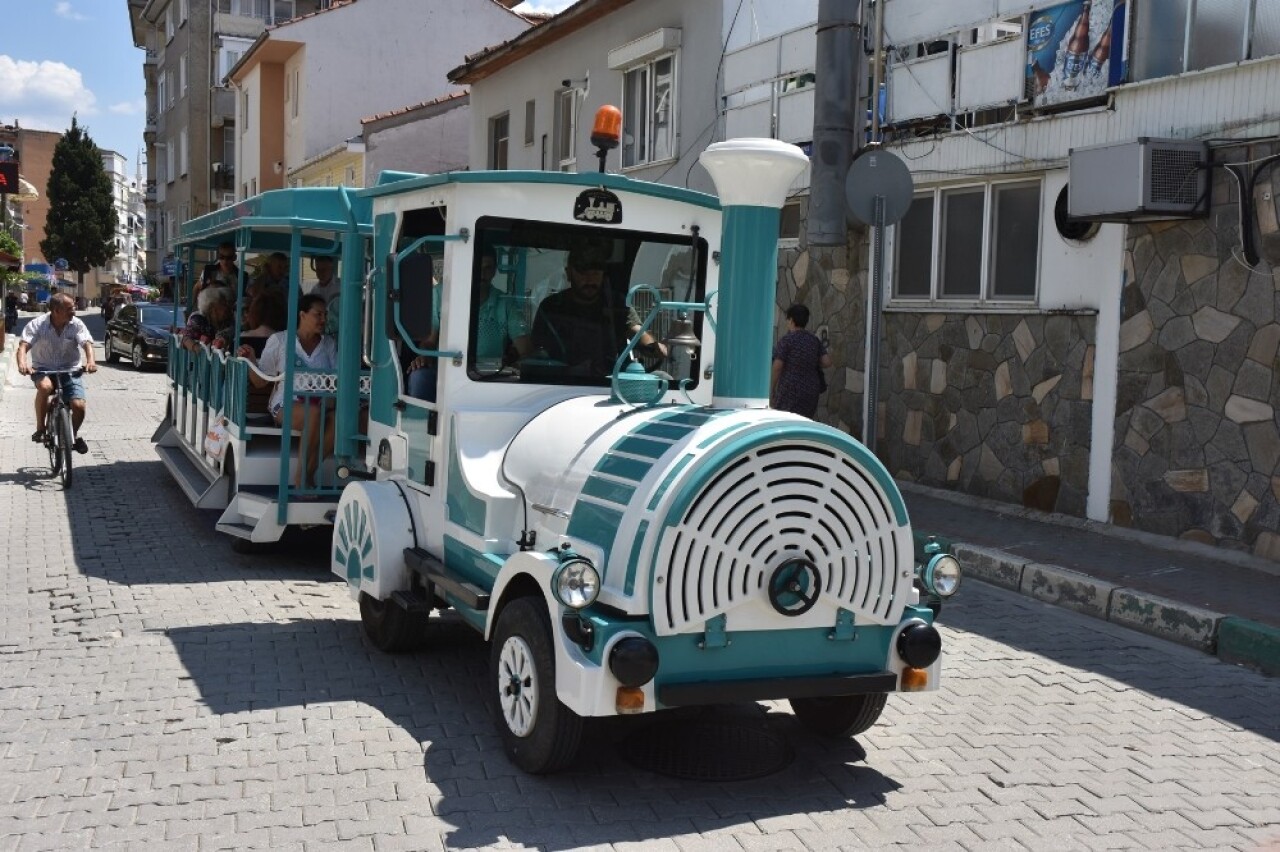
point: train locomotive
(628, 538)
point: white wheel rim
(518, 686)
(137, 355)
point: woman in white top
(315, 351)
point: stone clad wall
(997, 405)
(1198, 408)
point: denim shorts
(72, 387)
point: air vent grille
(1174, 176)
(775, 504)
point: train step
(205, 488)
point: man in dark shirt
(583, 326)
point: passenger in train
(501, 331)
(313, 350)
(215, 312)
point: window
(169, 155)
(170, 23)
(162, 172)
(182, 75)
(789, 221)
(499, 131)
(182, 11)
(648, 112)
(567, 130)
(162, 90)
(1219, 32)
(228, 147)
(182, 151)
(524, 309)
(350, 178)
(529, 108)
(971, 243)
(297, 91)
(173, 90)
(244, 111)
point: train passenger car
(218, 440)
(570, 444)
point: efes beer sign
(1075, 50)
(599, 207)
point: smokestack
(837, 118)
(752, 177)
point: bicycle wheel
(65, 440)
(51, 441)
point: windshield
(161, 317)
(549, 301)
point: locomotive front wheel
(390, 627)
(539, 733)
(839, 716)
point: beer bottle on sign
(1077, 49)
(1040, 77)
(1098, 58)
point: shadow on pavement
(1109, 652)
(170, 541)
(436, 697)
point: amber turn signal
(630, 700)
(914, 680)
(607, 131)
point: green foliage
(81, 225)
(8, 244)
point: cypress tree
(81, 224)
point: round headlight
(942, 575)
(576, 583)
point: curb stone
(1248, 643)
(1170, 620)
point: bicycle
(59, 437)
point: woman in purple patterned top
(797, 359)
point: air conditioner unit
(228, 198)
(217, 167)
(1142, 180)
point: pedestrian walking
(798, 360)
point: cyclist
(50, 344)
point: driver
(52, 343)
(581, 325)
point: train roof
(390, 183)
(269, 218)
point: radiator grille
(777, 503)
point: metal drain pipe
(837, 118)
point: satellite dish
(877, 173)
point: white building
(304, 86)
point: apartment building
(189, 45)
(34, 151)
(125, 268)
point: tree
(81, 224)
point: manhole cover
(708, 751)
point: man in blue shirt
(52, 343)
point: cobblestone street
(158, 690)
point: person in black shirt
(583, 326)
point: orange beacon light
(606, 132)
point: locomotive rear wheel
(540, 734)
(390, 627)
(839, 716)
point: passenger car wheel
(390, 627)
(108, 353)
(539, 733)
(139, 358)
(839, 716)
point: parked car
(141, 333)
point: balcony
(150, 194)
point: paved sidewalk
(1218, 601)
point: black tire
(65, 440)
(51, 443)
(839, 716)
(109, 354)
(540, 734)
(138, 356)
(391, 628)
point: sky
(65, 57)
